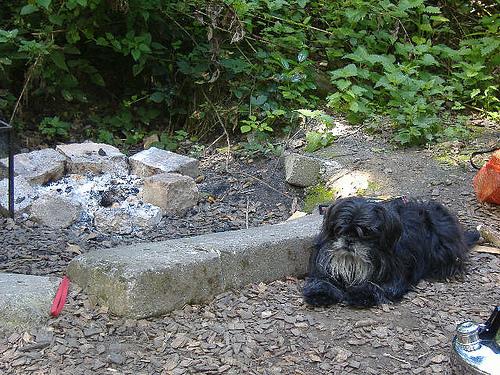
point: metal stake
(4, 127)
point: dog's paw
(364, 296)
(321, 293)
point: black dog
(371, 252)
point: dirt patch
(442, 172)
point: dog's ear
(390, 228)
(328, 224)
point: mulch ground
(262, 328)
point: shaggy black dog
(371, 252)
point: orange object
(487, 180)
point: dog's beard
(350, 264)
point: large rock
(37, 167)
(153, 161)
(55, 211)
(302, 170)
(23, 196)
(25, 300)
(172, 192)
(123, 220)
(154, 278)
(95, 158)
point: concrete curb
(25, 300)
(152, 279)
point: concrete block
(172, 192)
(25, 300)
(262, 254)
(37, 167)
(95, 158)
(153, 161)
(55, 212)
(152, 279)
(148, 279)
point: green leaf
(59, 59)
(428, 59)
(136, 54)
(101, 41)
(72, 36)
(302, 56)
(431, 9)
(97, 79)
(354, 106)
(245, 128)
(348, 71)
(44, 3)
(490, 45)
(342, 84)
(235, 65)
(474, 93)
(56, 19)
(157, 97)
(28, 9)
(426, 27)
(284, 63)
(408, 4)
(439, 19)
(259, 100)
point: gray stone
(95, 158)
(301, 170)
(262, 254)
(37, 167)
(172, 192)
(153, 161)
(152, 279)
(23, 196)
(123, 220)
(348, 183)
(148, 279)
(55, 211)
(25, 300)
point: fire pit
(96, 186)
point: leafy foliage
(157, 66)
(53, 127)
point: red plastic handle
(60, 299)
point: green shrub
(136, 67)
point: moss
(373, 187)
(316, 195)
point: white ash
(94, 192)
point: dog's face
(356, 240)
